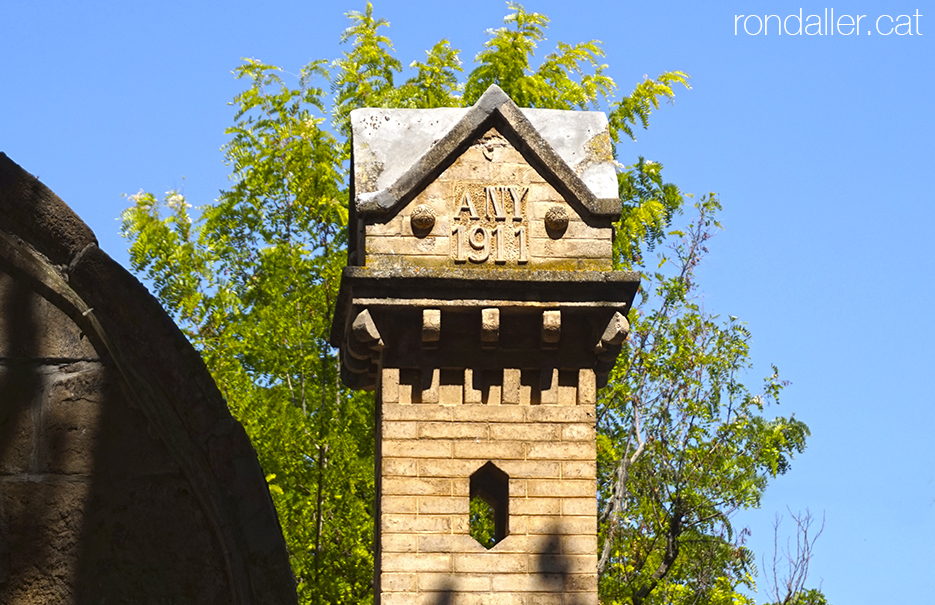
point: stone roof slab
(397, 152)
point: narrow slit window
(490, 505)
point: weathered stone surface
(490, 218)
(41, 524)
(131, 524)
(71, 423)
(32, 327)
(423, 219)
(100, 511)
(426, 459)
(364, 329)
(551, 326)
(616, 331)
(19, 402)
(388, 141)
(89, 427)
(556, 221)
(40, 217)
(490, 325)
(123, 477)
(431, 325)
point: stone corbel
(617, 330)
(431, 327)
(608, 347)
(489, 327)
(551, 329)
(361, 353)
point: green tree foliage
(481, 523)
(252, 280)
(683, 443)
(506, 62)
(253, 284)
(364, 75)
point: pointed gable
(492, 186)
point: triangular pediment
(398, 153)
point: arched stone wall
(123, 476)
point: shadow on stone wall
(445, 595)
(551, 563)
(144, 531)
(19, 381)
(123, 477)
(92, 507)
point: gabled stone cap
(397, 152)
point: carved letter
(517, 194)
(458, 244)
(468, 204)
(495, 199)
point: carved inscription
(489, 223)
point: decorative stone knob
(423, 218)
(556, 221)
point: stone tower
(481, 306)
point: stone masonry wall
(123, 476)
(427, 453)
(90, 502)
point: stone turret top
(492, 187)
(399, 151)
(459, 215)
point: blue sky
(821, 148)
